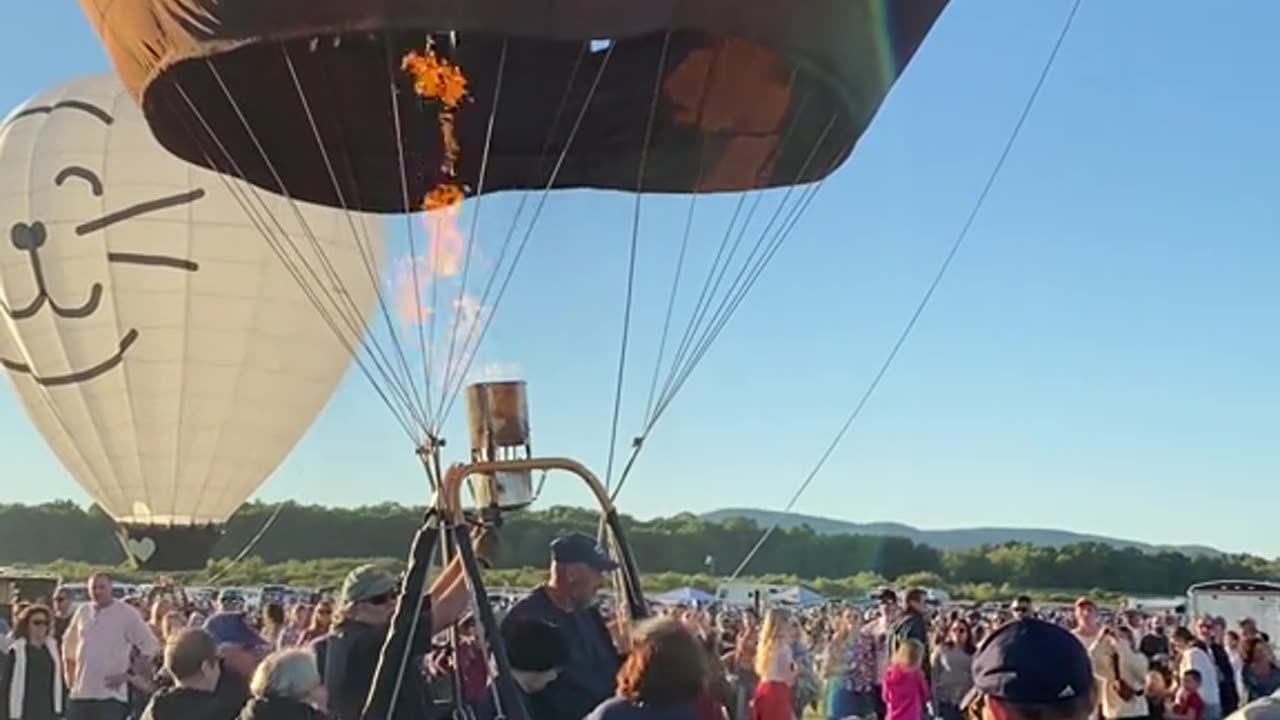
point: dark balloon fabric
(307, 97)
(168, 548)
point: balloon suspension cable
(394, 381)
(539, 205)
(249, 546)
(474, 232)
(938, 277)
(376, 358)
(376, 355)
(685, 237)
(407, 411)
(629, 294)
(463, 363)
(419, 407)
(293, 204)
(757, 260)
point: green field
(326, 573)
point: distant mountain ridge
(951, 539)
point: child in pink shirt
(904, 688)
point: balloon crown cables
(428, 452)
(430, 445)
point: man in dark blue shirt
(568, 601)
(537, 653)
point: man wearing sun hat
(365, 606)
(353, 648)
(1030, 668)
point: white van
(1235, 600)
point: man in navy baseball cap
(239, 644)
(575, 547)
(567, 601)
(1031, 669)
(240, 649)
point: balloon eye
(83, 173)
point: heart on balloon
(143, 549)
(26, 237)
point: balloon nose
(26, 237)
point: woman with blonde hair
(161, 606)
(834, 666)
(775, 667)
(171, 624)
(904, 689)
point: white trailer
(745, 594)
(1235, 600)
(1157, 604)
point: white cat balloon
(166, 353)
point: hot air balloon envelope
(167, 355)
(308, 97)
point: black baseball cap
(576, 547)
(1031, 662)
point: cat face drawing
(151, 332)
(30, 237)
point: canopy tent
(799, 596)
(685, 596)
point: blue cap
(228, 628)
(576, 547)
(1031, 662)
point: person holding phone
(1123, 692)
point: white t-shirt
(780, 665)
(100, 641)
(1196, 659)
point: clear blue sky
(1101, 358)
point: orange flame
(446, 245)
(435, 78)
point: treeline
(684, 544)
(329, 573)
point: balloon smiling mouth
(89, 307)
(81, 375)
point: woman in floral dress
(849, 668)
